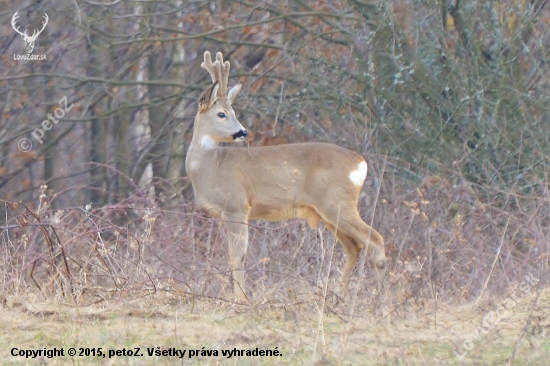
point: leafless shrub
(444, 240)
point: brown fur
(308, 180)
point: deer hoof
(381, 263)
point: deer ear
(232, 93)
(208, 97)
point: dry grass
(137, 275)
(305, 334)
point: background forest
(447, 100)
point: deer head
(216, 121)
(29, 40)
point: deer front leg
(237, 233)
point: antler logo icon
(29, 40)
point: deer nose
(241, 134)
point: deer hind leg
(352, 253)
(355, 227)
(355, 231)
(237, 232)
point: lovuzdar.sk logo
(29, 40)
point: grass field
(308, 331)
(461, 289)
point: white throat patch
(208, 143)
(358, 175)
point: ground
(308, 331)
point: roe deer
(314, 181)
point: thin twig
(494, 262)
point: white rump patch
(358, 175)
(208, 143)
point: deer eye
(221, 115)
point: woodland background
(448, 100)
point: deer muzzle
(242, 134)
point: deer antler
(14, 24)
(35, 32)
(218, 70)
(43, 26)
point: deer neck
(203, 151)
(202, 142)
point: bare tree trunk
(123, 158)
(50, 148)
(177, 147)
(141, 130)
(157, 118)
(159, 127)
(98, 127)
